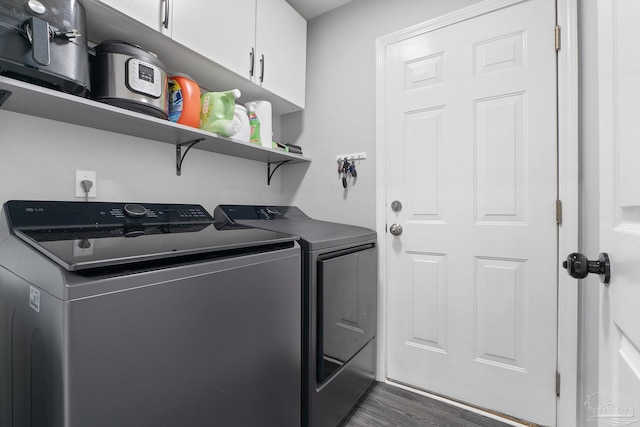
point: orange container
(184, 100)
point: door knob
(578, 266)
(395, 229)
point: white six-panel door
(617, 401)
(470, 137)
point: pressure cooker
(127, 76)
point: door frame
(567, 76)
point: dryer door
(347, 306)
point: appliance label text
(34, 298)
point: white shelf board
(42, 102)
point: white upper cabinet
(221, 30)
(281, 46)
(153, 13)
(258, 46)
(262, 40)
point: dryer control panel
(229, 214)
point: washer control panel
(49, 214)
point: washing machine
(339, 273)
(136, 315)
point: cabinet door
(281, 43)
(220, 30)
(152, 13)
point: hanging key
(345, 169)
(345, 165)
(352, 169)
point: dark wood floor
(387, 406)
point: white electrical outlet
(89, 176)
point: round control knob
(134, 210)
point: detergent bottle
(184, 100)
(216, 113)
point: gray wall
(39, 158)
(341, 104)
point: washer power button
(134, 210)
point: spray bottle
(254, 124)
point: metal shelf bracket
(180, 157)
(270, 172)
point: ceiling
(309, 9)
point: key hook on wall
(347, 167)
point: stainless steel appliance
(44, 42)
(340, 305)
(135, 315)
(127, 76)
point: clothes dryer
(339, 273)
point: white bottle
(240, 116)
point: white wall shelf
(26, 98)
